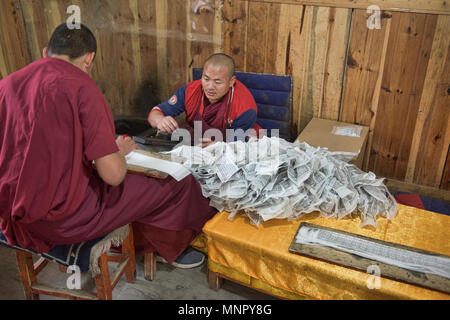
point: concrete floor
(170, 284)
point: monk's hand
(204, 142)
(167, 124)
(125, 144)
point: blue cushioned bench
(88, 256)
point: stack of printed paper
(271, 178)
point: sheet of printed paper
(375, 251)
(176, 170)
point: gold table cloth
(259, 257)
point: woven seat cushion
(272, 94)
(66, 255)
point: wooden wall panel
(292, 58)
(14, 52)
(3, 66)
(318, 58)
(445, 183)
(161, 48)
(189, 36)
(202, 39)
(289, 54)
(256, 36)
(261, 40)
(300, 46)
(408, 52)
(308, 43)
(176, 45)
(364, 71)
(116, 43)
(419, 6)
(432, 132)
(115, 26)
(235, 16)
(116, 58)
(147, 95)
(323, 62)
(34, 17)
(338, 26)
(139, 44)
(365, 62)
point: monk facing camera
(217, 101)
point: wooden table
(258, 257)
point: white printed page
(399, 257)
(175, 170)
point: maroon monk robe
(53, 122)
(211, 116)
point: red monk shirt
(54, 121)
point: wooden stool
(103, 281)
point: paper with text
(175, 170)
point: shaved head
(218, 76)
(221, 59)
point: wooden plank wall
(394, 79)
(146, 47)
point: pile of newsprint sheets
(270, 178)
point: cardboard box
(337, 136)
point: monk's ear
(88, 60)
(45, 52)
(232, 81)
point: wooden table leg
(214, 280)
(128, 249)
(150, 266)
